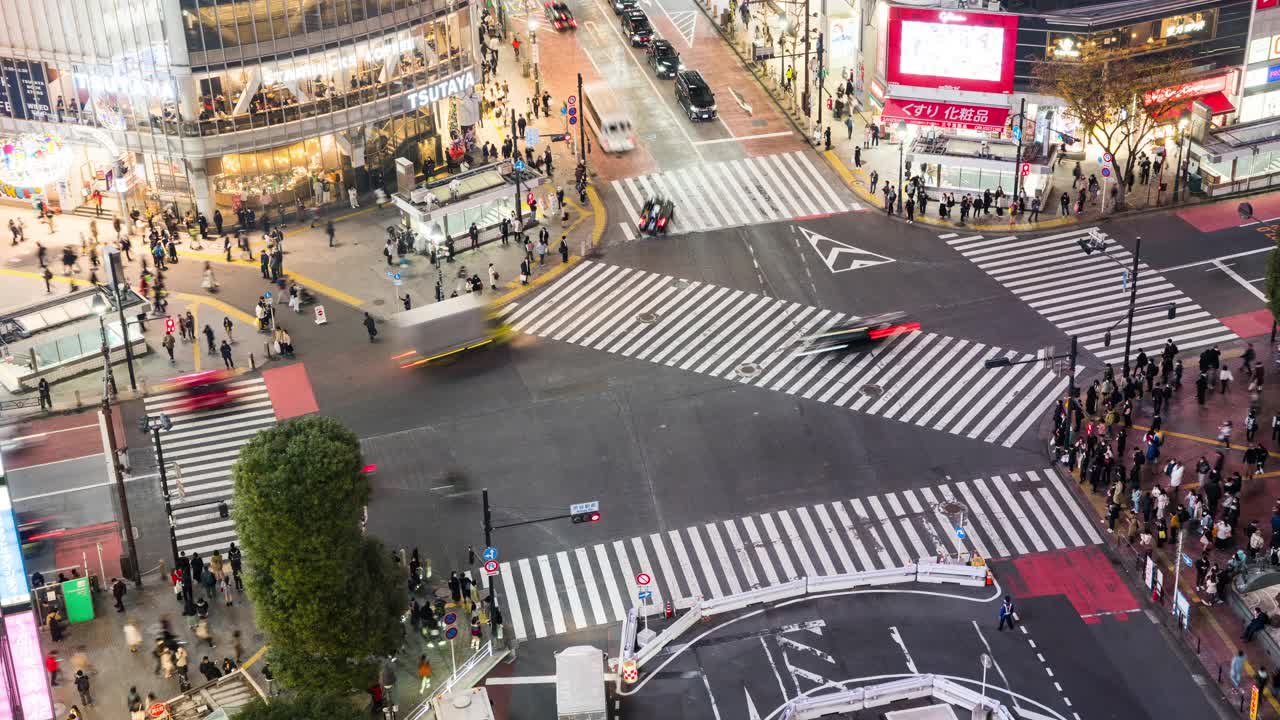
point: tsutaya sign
(446, 88)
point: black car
(636, 25)
(695, 96)
(857, 333)
(663, 58)
(560, 16)
(620, 7)
(655, 216)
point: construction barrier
(874, 696)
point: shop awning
(1218, 104)
(943, 114)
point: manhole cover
(951, 508)
(871, 391)
(379, 301)
(679, 284)
(748, 370)
(648, 318)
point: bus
(606, 118)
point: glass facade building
(208, 104)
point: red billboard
(942, 114)
(951, 49)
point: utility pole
(1133, 299)
(1017, 159)
(122, 497)
(154, 424)
(516, 157)
(582, 126)
(821, 80)
(115, 276)
(805, 100)
(488, 543)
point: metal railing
(458, 678)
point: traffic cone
(669, 611)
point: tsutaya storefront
(948, 77)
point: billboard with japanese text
(951, 49)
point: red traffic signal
(1025, 169)
(587, 517)
(168, 325)
(828, 103)
(529, 199)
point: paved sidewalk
(113, 669)
(1190, 432)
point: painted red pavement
(1250, 324)
(562, 58)
(1221, 215)
(290, 391)
(1084, 575)
(78, 546)
(60, 437)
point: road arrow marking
(842, 257)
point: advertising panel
(28, 668)
(941, 114)
(13, 576)
(948, 49)
(24, 90)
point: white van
(604, 115)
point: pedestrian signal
(586, 517)
(168, 324)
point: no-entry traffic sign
(643, 579)
(491, 567)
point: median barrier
(673, 631)
(887, 693)
(955, 574)
(773, 593)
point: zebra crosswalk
(1003, 516)
(714, 195)
(205, 444)
(923, 378)
(1083, 294)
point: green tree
(1273, 282)
(1116, 96)
(307, 706)
(328, 598)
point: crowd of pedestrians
(1155, 500)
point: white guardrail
(874, 696)
(923, 572)
(460, 677)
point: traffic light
(586, 517)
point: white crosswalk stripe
(922, 378)
(717, 195)
(568, 590)
(1084, 295)
(205, 444)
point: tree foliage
(1107, 91)
(1273, 282)
(305, 706)
(328, 598)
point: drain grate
(648, 318)
(747, 370)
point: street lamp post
(1177, 169)
(902, 144)
(154, 424)
(1095, 242)
(117, 476)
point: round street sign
(572, 100)
(643, 579)
(491, 567)
(1106, 157)
(451, 633)
(1106, 172)
(573, 120)
(450, 618)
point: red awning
(942, 114)
(1217, 102)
